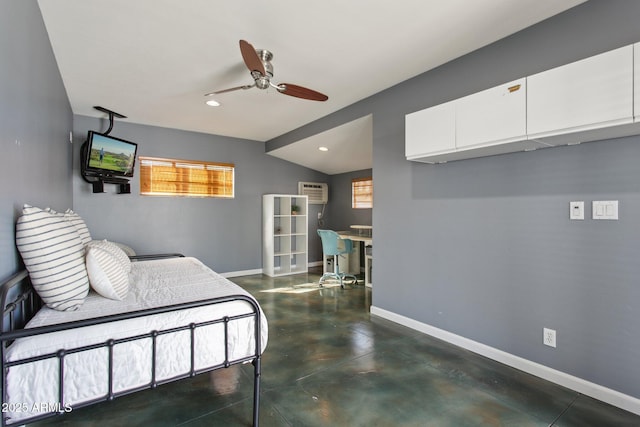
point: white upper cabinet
(429, 131)
(495, 115)
(636, 78)
(587, 100)
(593, 93)
(482, 124)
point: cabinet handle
(514, 88)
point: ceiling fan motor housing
(263, 81)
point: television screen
(109, 156)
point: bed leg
(256, 390)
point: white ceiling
(349, 148)
(153, 60)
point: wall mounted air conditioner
(318, 192)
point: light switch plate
(605, 209)
(576, 210)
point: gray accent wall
(226, 234)
(35, 123)
(483, 248)
(339, 214)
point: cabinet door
(592, 93)
(636, 79)
(495, 115)
(430, 131)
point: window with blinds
(362, 193)
(170, 177)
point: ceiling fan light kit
(258, 61)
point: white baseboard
(259, 270)
(612, 397)
(241, 273)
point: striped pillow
(128, 250)
(79, 224)
(54, 256)
(117, 250)
(108, 271)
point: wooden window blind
(171, 177)
(362, 193)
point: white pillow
(79, 224)
(123, 252)
(53, 254)
(127, 249)
(120, 254)
(108, 271)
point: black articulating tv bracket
(98, 181)
(111, 114)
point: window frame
(184, 181)
(360, 199)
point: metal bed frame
(20, 303)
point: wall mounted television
(109, 156)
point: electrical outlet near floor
(549, 337)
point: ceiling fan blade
(251, 58)
(301, 92)
(229, 90)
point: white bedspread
(33, 387)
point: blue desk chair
(333, 244)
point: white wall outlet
(576, 210)
(605, 209)
(549, 337)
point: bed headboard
(19, 302)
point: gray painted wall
(339, 214)
(226, 234)
(483, 248)
(35, 122)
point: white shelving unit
(285, 234)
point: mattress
(33, 387)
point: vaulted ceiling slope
(153, 60)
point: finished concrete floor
(329, 363)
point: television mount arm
(111, 114)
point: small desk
(359, 233)
(362, 234)
(364, 230)
(356, 237)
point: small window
(170, 177)
(362, 193)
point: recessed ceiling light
(323, 149)
(213, 103)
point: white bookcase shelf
(285, 234)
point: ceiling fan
(258, 61)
